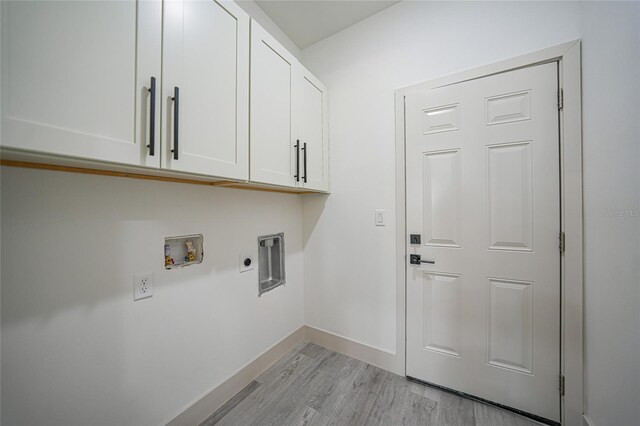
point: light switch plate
(380, 218)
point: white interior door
(206, 56)
(272, 135)
(483, 192)
(75, 78)
(312, 131)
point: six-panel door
(76, 78)
(483, 179)
(206, 56)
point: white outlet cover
(244, 268)
(142, 286)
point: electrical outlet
(142, 286)
(246, 262)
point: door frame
(568, 55)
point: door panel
(510, 324)
(510, 196)
(441, 209)
(272, 136)
(75, 78)
(312, 131)
(442, 301)
(483, 190)
(206, 57)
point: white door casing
(75, 78)
(482, 164)
(205, 47)
(272, 114)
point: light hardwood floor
(315, 386)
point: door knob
(415, 259)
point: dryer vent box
(271, 271)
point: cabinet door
(272, 144)
(206, 56)
(75, 78)
(311, 96)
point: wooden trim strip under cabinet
(220, 183)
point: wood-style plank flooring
(315, 386)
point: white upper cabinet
(312, 126)
(289, 133)
(272, 130)
(76, 78)
(191, 86)
(206, 59)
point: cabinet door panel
(206, 55)
(73, 82)
(312, 131)
(271, 110)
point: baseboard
(200, 410)
(369, 354)
(586, 421)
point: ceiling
(306, 22)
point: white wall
(349, 264)
(76, 348)
(362, 66)
(611, 125)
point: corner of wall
(256, 12)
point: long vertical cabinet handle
(152, 117)
(304, 161)
(176, 121)
(297, 147)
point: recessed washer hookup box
(183, 251)
(271, 270)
